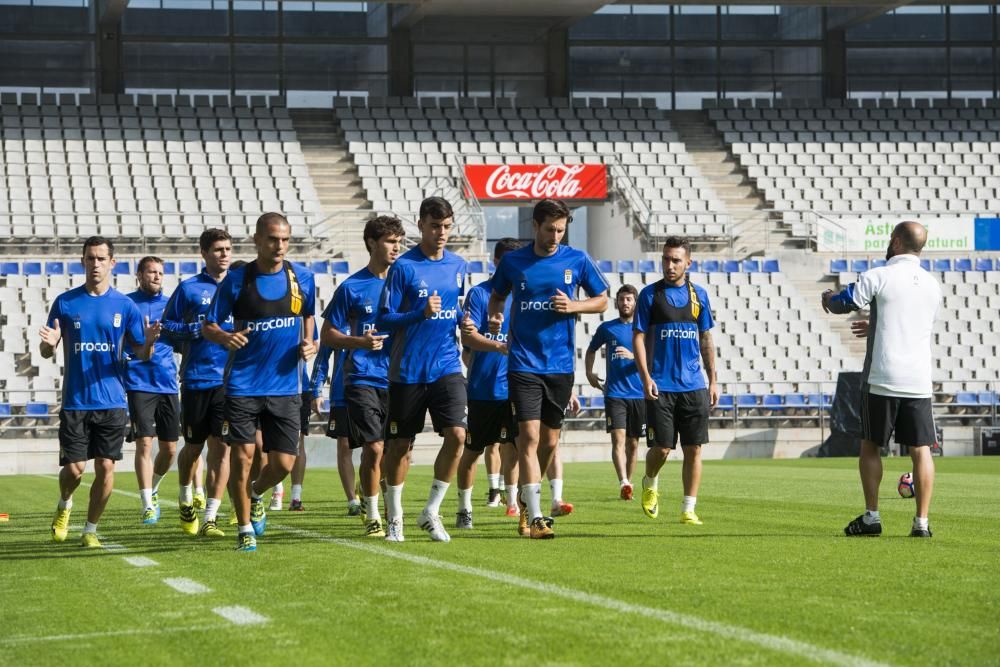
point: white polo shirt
(904, 301)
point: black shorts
(540, 397)
(278, 418)
(910, 419)
(628, 414)
(367, 412)
(339, 425)
(305, 412)
(154, 415)
(91, 434)
(202, 413)
(490, 422)
(445, 399)
(677, 416)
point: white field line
(186, 586)
(10, 641)
(776, 643)
(240, 615)
(140, 561)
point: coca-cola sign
(538, 181)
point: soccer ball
(905, 487)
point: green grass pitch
(768, 580)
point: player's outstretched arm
(708, 361)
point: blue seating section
(942, 264)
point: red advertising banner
(538, 181)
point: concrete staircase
(746, 206)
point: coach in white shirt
(903, 300)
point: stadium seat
(339, 267)
(731, 266)
(963, 264)
(751, 266)
(772, 266)
(942, 265)
(647, 266)
(626, 266)
(31, 268)
(321, 267)
(476, 266)
(966, 399)
(55, 268)
(10, 269)
(925, 264)
(597, 402)
(122, 268)
(75, 269)
(36, 410)
(859, 265)
(710, 266)
(188, 268)
(605, 265)
(984, 264)
(774, 402)
(986, 398)
(725, 402)
(795, 401)
(747, 400)
(838, 266)
(169, 268)
(695, 266)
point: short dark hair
(628, 289)
(209, 237)
(148, 259)
(383, 225)
(436, 207)
(551, 209)
(266, 219)
(678, 242)
(99, 240)
(504, 246)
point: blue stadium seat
(984, 264)
(963, 264)
(189, 268)
(838, 266)
(774, 402)
(319, 267)
(795, 401)
(122, 268)
(819, 401)
(626, 266)
(37, 409)
(925, 264)
(605, 265)
(985, 398)
(9, 269)
(751, 266)
(490, 268)
(76, 269)
(731, 266)
(942, 265)
(875, 263)
(695, 266)
(859, 265)
(647, 266)
(597, 402)
(169, 268)
(476, 267)
(340, 267)
(747, 400)
(55, 268)
(725, 402)
(31, 268)
(967, 398)
(710, 266)
(4, 409)
(772, 266)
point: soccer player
(419, 307)
(491, 421)
(152, 394)
(272, 302)
(904, 301)
(203, 396)
(338, 426)
(672, 342)
(97, 322)
(542, 279)
(623, 394)
(355, 308)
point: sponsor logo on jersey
(449, 314)
(537, 305)
(500, 337)
(678, 333)
(93, 347)
(272, 324)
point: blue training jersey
(423, 349)
(159, 374)
(542, 341)
(673, 329)
(487, 370)
(354, 307)
(269, 364)
(203, 363)
(95, 333)
(622, 379)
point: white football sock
(146, 498)
(187, 495)
(531, 495)
(651, 482)
(279, 489)
(688, 503)
(90, 528)
(297, 492)
(871, 517)
(557, 488)
(494, 481)
(199, 490)
(246, 529)
(65, 504)
(439, 490)
(625, 482)
(394, 502)
(465, 499)
(920, 523)
(373, 512)
(512, 495)
(212, 508)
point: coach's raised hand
(236, 340)
(433, 305)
